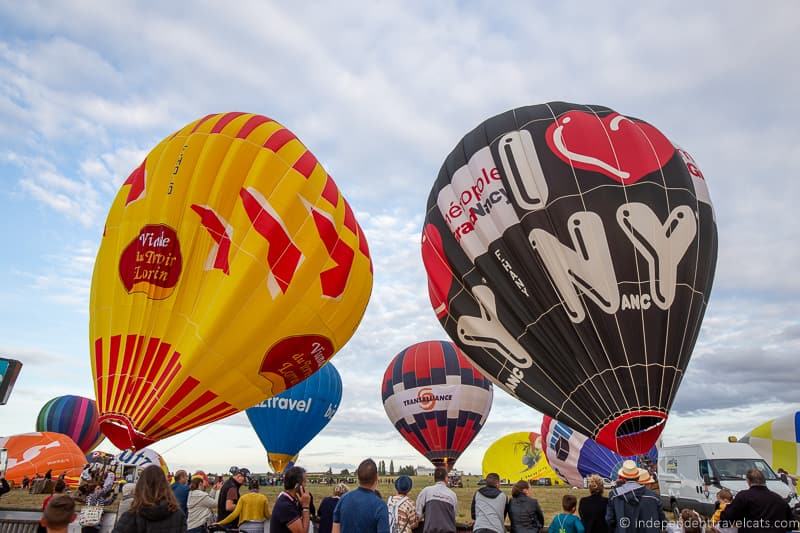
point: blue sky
(381, 92)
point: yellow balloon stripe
(230, 268)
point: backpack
(394, 510)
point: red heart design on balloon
(617, 146)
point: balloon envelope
(575, 456)
(9, 371)
(230, 269)
(287, 422)
(778, 441)
(75, 417)
(518, 457)
(436, 399)
(32, 453)
(140, 459)
(570, 253)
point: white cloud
(381, 93)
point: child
(58, 514)
(724, 498)
(567, 522)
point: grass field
(549, 497)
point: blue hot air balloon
(287, 422)
(575, 456)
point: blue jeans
(252, 527)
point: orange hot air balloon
(32, 453)
(231, 268)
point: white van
(690, 476)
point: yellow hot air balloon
(230, 269)
(519, 456)
(778, 441)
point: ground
(549, 497)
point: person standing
(437, 505)
(327, 506)
(96, 497)
(229, 493)
(292, 513)
(58, 514)
(787, 478)
(4, 486)
(757, 509)
(201, 506)
(524, 512)
(59, 490)
(181, 490)
(592, 508)
(488, 508)
(402, 510)
(633, 508)
(252, 510)
(567, 522)
(362, 510)
(154, 508)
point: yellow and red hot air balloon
(231, 268)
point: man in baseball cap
(633, 508)
(229, 493)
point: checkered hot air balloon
(778, 441)
(436, 399)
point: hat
(403, 484)
(243, 471)
(629, 471)
(644, 477)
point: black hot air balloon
(570, 253)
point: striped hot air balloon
(436, 399)
(73, 416)
(231, 268)
(575, 456)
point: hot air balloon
(778, 442)
(570, 253)
(436, 399)
(130, 462)
(32, 453)
(230, 269)
(574, 456)
(75, 417)
(287, 422)
(519, 457)
(9, 371)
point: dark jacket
(758, 503)
(640, 506)
(223, 496)
(154, 519)
(326, 509)
(525, 514)
(4, 487)
(592, 510)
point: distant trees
(391, 467)
(407, 471)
